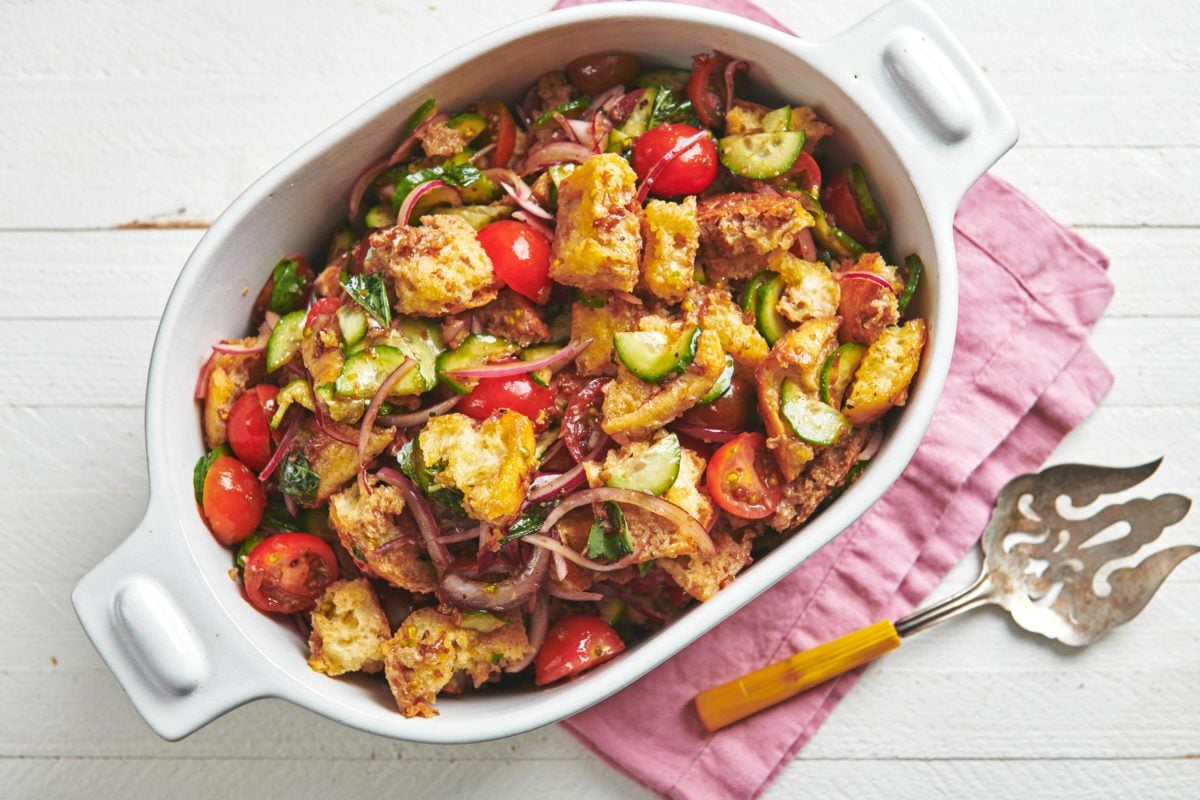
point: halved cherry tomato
(806, 173)
(233, 500)
(502, 131)
(837, 198)
(743, 479)
(574, 644)
(518, 393)
(249, 425)
(735, 410)
(520, 257)
(581, 418)
(707, 70)
(689, 172)
(288, 572)
(326, 305)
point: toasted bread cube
(812, 291)
(349, 629)
(335, 462)
(821, 476)
(230, 376)
(714, 310)
(672, 236)
(430, 652)
(439, 140)
(885, 372)
(702, 575)
(598, 239)
(435, 269)
(369, 528)
(510, 316)
(815, 129)
(599, 325)
(490, 462)
(738, 230)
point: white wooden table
(126, 127)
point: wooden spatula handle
(739, 698)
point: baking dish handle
(154, 626)
(914, 78)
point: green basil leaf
(668, 107)
(287, 287)
(247, 546)
(200, 471)
(529, 522)
(369, 292)
(277, 519)
(296, 478)
(610, 538)
(577, 104)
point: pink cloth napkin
(1022, 377)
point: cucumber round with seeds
(761, 156)
(652, 356)
(653, 471)
(811, 420)
(475, 351)
(285, 339)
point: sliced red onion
(806, 247)
(535, 223)
(600, 127)
(570, 130)
(483, 533)
(507, 369)
(864, 276)
(498, 174)
(268, 324)
(554, 153)
(498, 596)
(527, 203)
(566, 482)
(421, 416)
(669, 156)
(705, 434)
(281, 449)
(481, 152)
(873, 444)
(290, 504)
(364, 180)
(460, 536)
(655, 505)
(438, 553)
(731, 70)
(410, 202)
(573, 595)
(555, 546)
(599, 102)
(538, 622)
(368, 420)
(202, 379)
(560, 567)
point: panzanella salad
(569, 366)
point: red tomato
(249, 426)
(288, 572)
(707, 72)
(574, 644)
(743, 479)
(326, 305)
(501, 130)
(520, 257)
(689, 172)
(233, 500)
(839, 203)
(518, 393)
(807, 173)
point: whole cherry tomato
(288, 572)
(518, 393)
(249, 426)
(689, 172)
(743, 479)
(574, 644)
(520, 257)
(233, 500)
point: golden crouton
(714, 310)
(228, 379)
(812, 292)
(598, 240)
(876, 265)
(551, 91)
(510, 316)
(821, 476)
(799, 354)
(738, 230)
(702, 575)
(429, 651)
(815, 129)
(633, 408)
(334, 462)
(491, 463)
(349, 629)
(434, 269)
(572, 530)
(672, 236)
(885, 372)
(368, 527)
(599, 325)
(439, 140)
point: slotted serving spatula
(1051, 564)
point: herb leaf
(287, 287)
(529, 522)
(205, 462)
(296, 478)
(670, 108)
(610, 538)
(276, 519)
(369, 292)
(460, 175)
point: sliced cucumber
(750, 293)
(674, 79)
(839, 370)
(915, 268)
(722, 385)
(482, 621)
(469, 125)
(421, 339)
(353, 324)
(380, 216)
(835, 240)
(285, 339)
(476, 350)
(479, 191)
(811, 420)
(760, 156)
(423, 112)
(478, 215)
(297, 391)
(653, 471)
(778, 121)
(545, 440)
(653, 357)
(539, 351)
(639, 119)
(557, 173)
(863, 198)
(364, 372)
(767, 318)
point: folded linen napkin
(1021, 378)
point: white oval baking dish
(906, 101)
